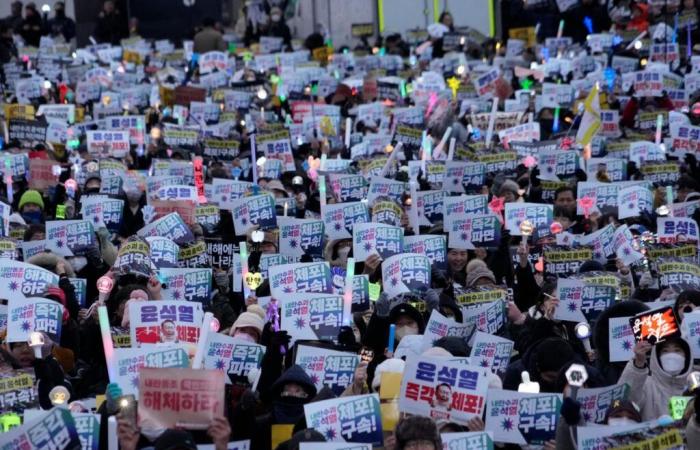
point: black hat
(405, 309)
(416, 428)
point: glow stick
(560, 31)
(390, 160)
(689, 45)
(323, 162)
(659, 125)
(348, 128)
(203, 336)
(285, 208)
(414, 208)
(451, 150)
(634, 41)
(347, 294)
(669, 197)
(443, 141)
(107, 344)
(254, 163)
(244, 269)
(392, 335)
(555, 123)
(492, 121)
(322, 192)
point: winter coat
(652, 387)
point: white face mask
(672, 363)
(618, 421)
(275, 18)
(405, 330)
(343, 253)
(78, 263)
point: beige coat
(652, 391)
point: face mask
(92, 191)
(133, 197)
(343, 253)
(617, 421)
(78, 263)
(244, 337)
(221, 281)
(672, 363)
(32, 217)
(275, 18)
(405, 330)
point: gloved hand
(346, 337)
(571, 411)
(248, 400)
(279, 339)
(112, 394)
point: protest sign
(235, 357)
(443, 389)
(175, 397)
(560, 260)
(129, 362)
(298, 237)
(472, 440)
(678, 275)
(340, 218)
(350, 419)
(676, 229)
(21, 280)
(486, 317)
(595, 437)
(654, 326)
(621, 339)
(406, 272)
(455, 208)
(254, 210)
(164, 321)
(522, 418)
(194, 255)
(55, 430)
(33, 314)
(69, 237)
(297, 278)
(476, 230)
(17, 391)
(580, 301)
(312, 316)
(133, 258)
(171, 227)
(536, 213)
(596, 402)
(491, 351)
(163, 252)
(103, 212)
(193, 285)
(374, 238)
(434, 246)
(329, 368)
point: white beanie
(248, 319)
(438, 352)
(389, 365)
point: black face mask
(60, 13)
(92, 191)
(288, 409)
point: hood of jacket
(294, 374)
(668, 382)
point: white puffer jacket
(652, 391)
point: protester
(208, 39)
(61, 25)
(14, 20)
(439, 239)
(31, 28)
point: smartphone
(126, 405)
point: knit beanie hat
(249, 319)
(474, 264)
(256, 309)
(508, 185)
(33, 197)
(553, 354)
(479, 272)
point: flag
(590, 123)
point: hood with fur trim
(48, 261)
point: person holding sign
(657, 373)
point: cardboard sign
(477, 230)
(17, 391)
(235, 357)
(164, 321)
(678, 275)
(312, 316)
(254, 210)
(432, 245)
(676, 229)
(537, 213)
(655, 326)
(298, 237)
(20, 280)
(439, 326)
(522, 418)
(620, 339)
(186, 398)
(330, 368)
(340, 218)
(443, 389)
(193, 285)
(406, 272)
(129, 362)
(133, 257)
(55, 430)
(374, 238)
(171, 226)
(33, 314)
(163, 252)
(596, 402)
(491, 351)
(350, 419)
